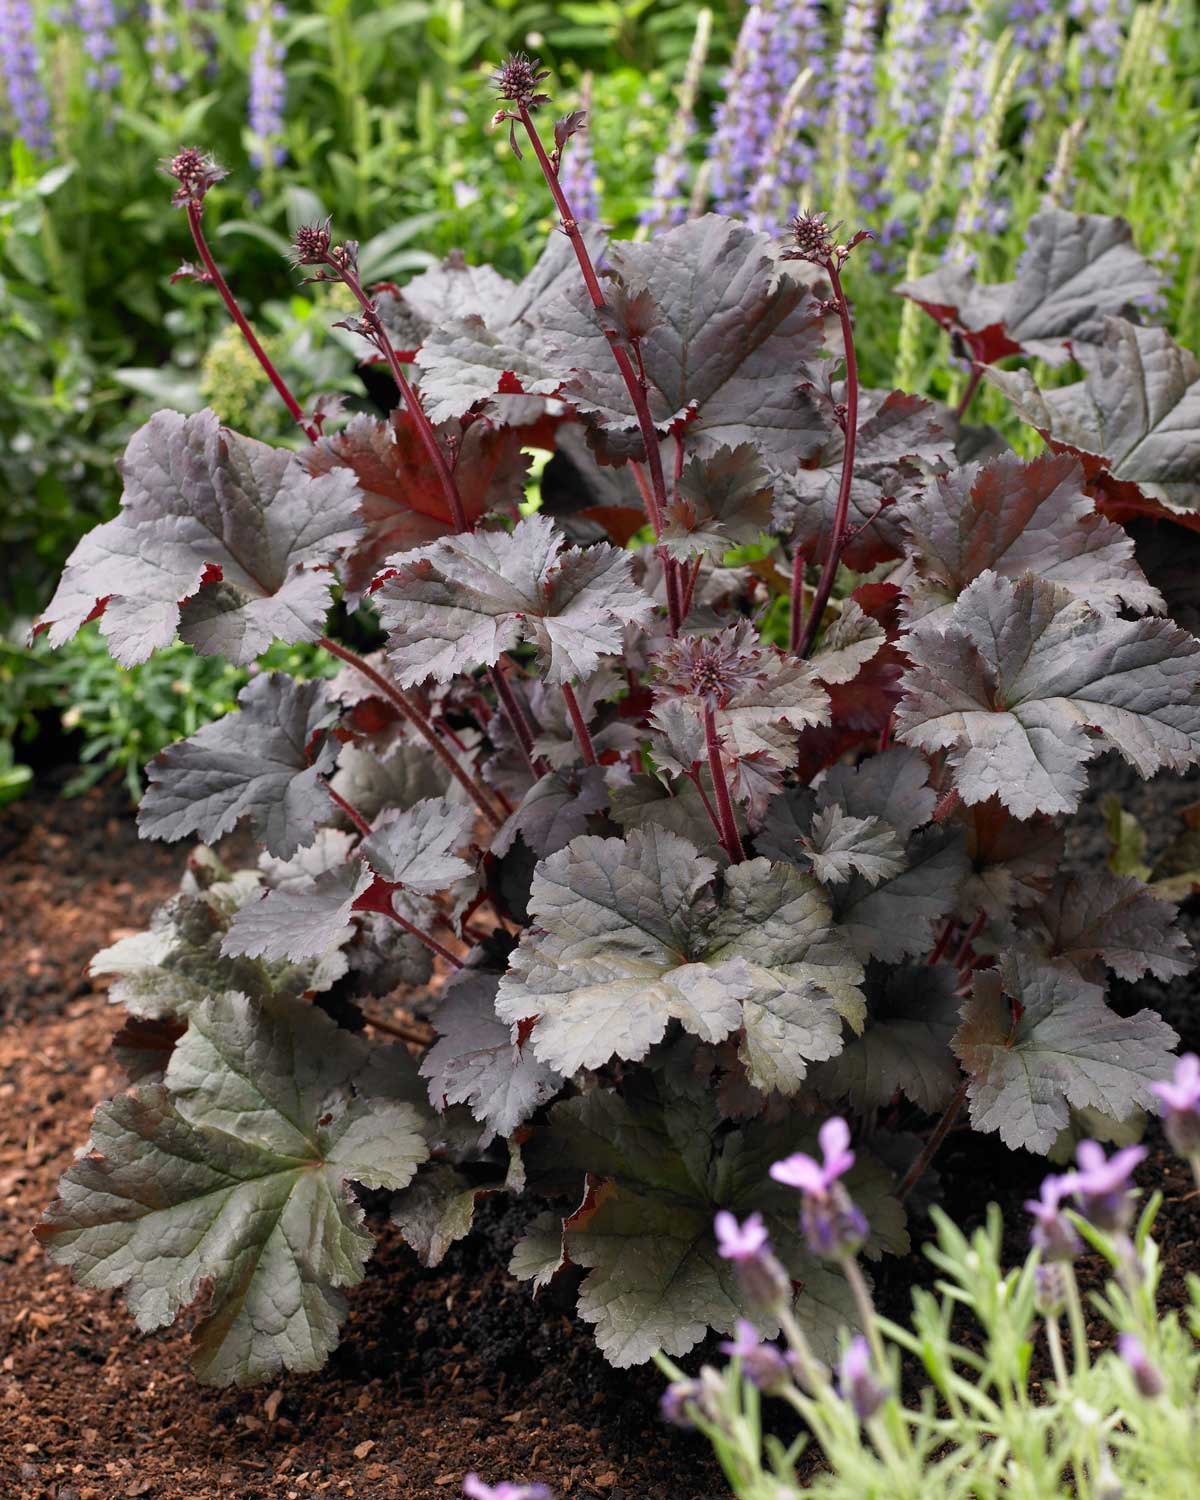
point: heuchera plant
(721, 786)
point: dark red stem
(939, 1133)
(943, 942)
(430, 942)
(972, 932)
(634, 383)
(960, 410)
(409, 710)
(730, 837)
(580, 723)
(195, 214)
(518, 721)
(351, 812)
(422, 423)
(802, 638)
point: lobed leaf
(220, 537)
(1026, 684)
(228, 1186)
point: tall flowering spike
(919, 51)
(668, 205)
(195, 171)
(268, 83)
(162, 44)
(857, 1381)
(1052, 1233)
(777, 41)
(833, 1224)
(21, 68)
(96, 20)
(577, 173)
(1180, 1100)
(1103, 1186)
(861, 164)
(1101, 35)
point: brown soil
(438, 1372)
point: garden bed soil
(439, 1371)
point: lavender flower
(1100, 41)
(1102, 1185)
(1051, 1284)
(1146, 1376)
(918, 57)
(268, 84)
(667, 205)
(162, 44)
(762, 1364)
(475, 1489)
(833, 1224)
(1180, 1097)
(763, 1280)
(857, 1382)
(777, 41)
(1052, 1234)
(858, 181)
(96, 19)
(20, 67)
(577, 176)
(677, 1398)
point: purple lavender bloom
(577, 175)
(762, 1364)
(677, 1398)
(1102, 1185)
(96, 19)
(1100, 41)
(739, 1241)
(854, 110)
(763, 1280)
(817, 1178)
(833, 1224)
(21, 69)
(1180, 1098)
(475, 1489)
(162, 44)
(1052, 1234)
(1051, 1283)
(1146, 1376)
(268, 84)
(857, 1382)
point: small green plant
(124, 715)
(1114, 1426)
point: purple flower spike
(740, 1241)
(676, 1399)
(1052, 1234)
(857, 1382)
(762, 1364)
(833, 1225)
(475, 1489)
(763, 1280)
(1146, 1376)
(803, 1172)
(1102, 1185)
(1180, 1098)
(21, 73)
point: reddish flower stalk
(931, 1147)
(423, 937)
(351, 812)
(634, 383)
(580, 723)
(195, 216)
(412, 401)
(730, 838)
(517, 719)
(409, 710)
(804, 634)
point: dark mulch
(438, 1371)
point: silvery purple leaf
(220, 537)
(264, 762)
(463, 602)
(1025, 684)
